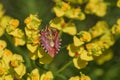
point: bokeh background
(110, 70)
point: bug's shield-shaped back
(50, 40)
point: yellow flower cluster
(35, 75)
(84, 50)
(82, 77)
(11, 65)
(33, 40)
(97, 7)
(17, 33)
(65, 9)
(10, 25)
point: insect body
(50, 40)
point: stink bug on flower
(50, 40)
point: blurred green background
(20, 9)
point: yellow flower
(32, 36)
(85, 55)
(116, 27)
(82, 77)
(61, 8)
(2, 44)
(118, 3)
(108, 40)
(94, 7)
(20, 71)
(94, 49)
(32, 22)
(98, 29)
(64, 9)
(80, 56)
(32, 47)
(47, 76)
(14, 23)
(75, 78)
(79, 64)
(16, 60)
(18, 35)
(84, 36)
(75, 13)
(74, 51)
(2, 71)
(19, 41)
(7, 55)
(7, 77)
(106, 56)
(3, 24)
(34, 75)
(17, 63)
(61, 25)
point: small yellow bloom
(14, 23)
(116, 29)
(32, 22)
(118, 3)
(20, 70)
(19, 41)
(77, 41)
(94, 49)
(61, 8)
(65, 9)
(84, 55)
(2, 71)
(94, 7)
(75, 13)
(34, 75)
(98, 29)
(2, 44)
(106, 56)
(75, 78)
(79, 64)
(47, 76)
(16, 60)
(108, 40)
(27, 20)
(7, 77)
(73, 50)
(32, 47)
(118, 21)
(61, 25)
(14, 63)
(7, 55)
(82, 77)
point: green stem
(21, 52)
(65, 66)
